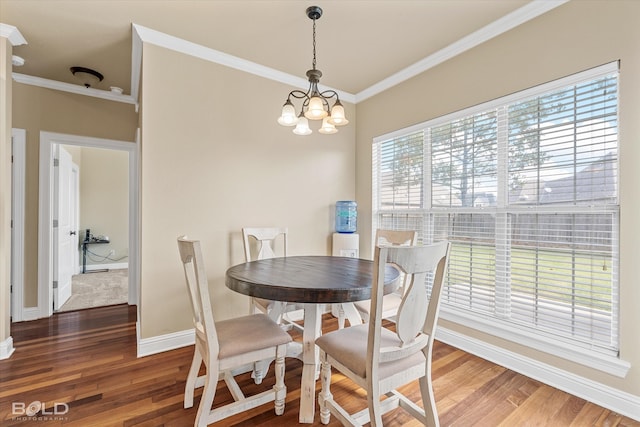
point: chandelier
(315, 104)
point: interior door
(64, 235)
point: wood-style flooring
(87, 360)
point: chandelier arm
(298, 94)
(328, 94)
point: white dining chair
(263, 243)
(380, 360)
(225, 345)
(390, 302)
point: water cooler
(346, 241)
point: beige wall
(214, 160)
(574, 37)
(36, 109)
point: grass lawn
(560, 275)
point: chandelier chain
(314, 45)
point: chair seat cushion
(267, 304)
(390, 303)
(264, 303)
(349, 347)
(249, 333)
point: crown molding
(77, 89)
(12, 33)
(143, 35)
(500, 26)
(147, 35)
(136, 62)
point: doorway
(49, 143)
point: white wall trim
(30, 313)
(167, 41)
(136, 63)
(45, 227)
(500, 26)
(600, 394)
(71, 88)
(112, 266)
(549, 344)
(45, 224)
(161, 343)
(19, 144)
(6, 348)
(141, 34)
(13, 34)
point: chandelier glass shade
(314, 105)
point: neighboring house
(594, 181)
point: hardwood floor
(87, 360)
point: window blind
(526, 190)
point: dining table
(311, 281)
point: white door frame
(19, 154)
(48, 140)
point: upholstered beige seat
(390, 302)
(226, 345)
(380, 360)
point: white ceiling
(359, 43)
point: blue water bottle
(346, 216)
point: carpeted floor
(98, 289)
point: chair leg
(325, 394)
(206, 401)
(192, 376)
(341, 316)
(428, 400)
(279, 388)
(373, 402)
(260, 369)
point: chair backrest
(396, 237)
(271, 242)
(198, 287)
(418, 313)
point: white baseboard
(600, 394)
(159, 344)
(114, 266)
(6, 348)
(29, 313)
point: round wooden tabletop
(308, 279)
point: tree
(464, 153)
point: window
(525, 187)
